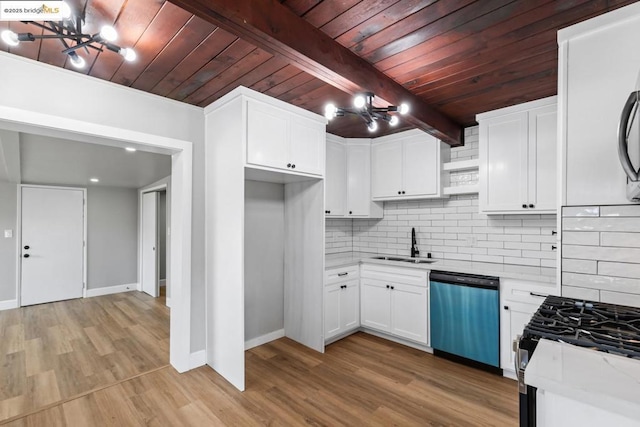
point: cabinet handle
(535, 294)
(343, 274)
(506, 307)
(531, 205)
(554, 247)
(288, 165)
(524, 206)
(554, 232)
(293, 166)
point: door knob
(26, 247)
(26, 255)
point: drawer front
(341, 274)
(525, 291)
(409, 276)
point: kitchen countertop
(510, 271)
(608, 381)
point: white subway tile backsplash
(591, 238)
(580, 266)
(601, 253)
(601, 224)
(620, 211)
(619, 269)
(580, 293)
(620, 298)
(581, 211)
(625, 240)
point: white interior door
(150, 243)
(52, 244)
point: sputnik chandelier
(363, 103)
(69, 32)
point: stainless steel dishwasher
(465, 318)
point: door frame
(19, 237)
(181, 152)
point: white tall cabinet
(252, 136)
(518, 158)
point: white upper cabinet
(348, 179)
(280, 139)
(408, 165)
(335, 179)
(518, 158)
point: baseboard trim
(8, 304)
(397, 340)
(107, 290)
(197, 359)
(263, 339)
(168, 302)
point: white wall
(112, 236)
(94, 101)
(263, 259)
(8, 250)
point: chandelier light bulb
(359, 101)
(76, 60)
(394, 120)
(404, 108)
(373, 126)
(10, 38)
(128, 54)
(330, 111)
(66, 10)
(108, 33)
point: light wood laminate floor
(360, 380)
(52, 352)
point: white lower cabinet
(341, 307)
(519, 300)
(393, 307)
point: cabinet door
(386, 166)
(307, 144)
(350, 305)
(515, 316)
(267, 135)
(543, 164)
(409, 312)
(332, 319)
(335, 179)
(503, 163)
(358, 180)
(375, 305)
(420, 166)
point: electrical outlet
(8, 234)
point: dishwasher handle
(465, 279)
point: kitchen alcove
(264, 233)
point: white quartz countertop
(604, 380)
(511, 271)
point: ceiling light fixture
(363, 103)
(130, 149)
(69, 32)
(94, 180)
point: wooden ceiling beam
(275, 28)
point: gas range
(604, 327)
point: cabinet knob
(388, 286)
(524, 206)
(392, 288)
(293, 166)
(26, 247)
(288, 165)
(506, 307)
(531, 205)
(403, 192)
(26, 255)
(350, 212)
(399, 192)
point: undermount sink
(411, 260)
(419, 261)
(389, 258)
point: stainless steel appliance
(629, 143)
(600, 326)
(465, 318)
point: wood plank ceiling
(463, 57)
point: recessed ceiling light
(130, 149)
(94, 180)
